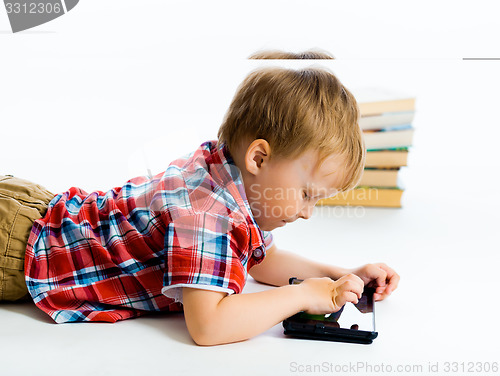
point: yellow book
(379, 177)
(366, 196)
(386, 158)
(377, 101)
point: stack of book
(386, 121)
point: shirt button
(257, 253)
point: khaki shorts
(21, 204)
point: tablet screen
(352, 316)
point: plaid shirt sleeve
(206, 251)
(209, 252)
(211, 238)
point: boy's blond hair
(277, 54)
(297, 110)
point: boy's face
(280, 191)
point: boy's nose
(306, 212)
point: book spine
(366, 196)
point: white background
(94, 97)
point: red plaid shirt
(109, 256)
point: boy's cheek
(271, 208)
(290, 212)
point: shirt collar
(233, 182)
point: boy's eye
(305, 196)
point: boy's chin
(268, 226)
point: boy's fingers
(360, 287)
(352, 297)
(382, 277)
(392, 278)
(355, 288)
(353, 284)
(381, 296)
(388, 285)
(388, 291)
(390, 272)
(393, 281)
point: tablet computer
(354, 323)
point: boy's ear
(257, 155)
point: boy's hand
(324, 295)
(383, 278)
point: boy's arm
(213, 318)
(279, 265)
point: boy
(186, 238)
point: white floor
(445, 310)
